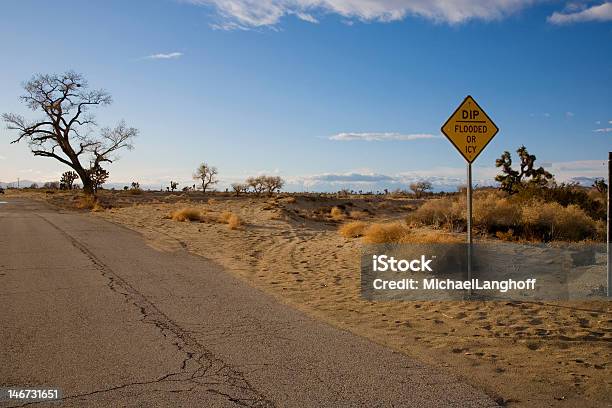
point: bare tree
(67, 131)
(272, 183)
(208, 175)
(240, 188)
(420, 187)
(256, 183)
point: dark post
(609, 225)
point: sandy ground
(523, 353)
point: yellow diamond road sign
(469, 129)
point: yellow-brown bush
(358, 214)
(496, 213)
(86, 202)
(336, 213)
(440, 212)
(231, 219)
(492, 213)
(353, 229)
(380, 233)
(552, 221)
(186, 214)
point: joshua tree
(600, 185)
(173, 185)
(67, 180)
(135, 185)
(208, 175)
(98, 176)
(420, 187)
(67, 131)
(512, 180)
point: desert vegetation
(232, 220)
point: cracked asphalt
(88, 307)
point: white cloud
(610, 122)
(599, 13)
(569, 114)
(244, 14)
(380, 136)
(307, 17)
(603, 130)
(170, 55)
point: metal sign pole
(469, 224)
(609, 225)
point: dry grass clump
(231, 219)
(233, 222)
(380, 233)
(88, 202)
(97, 207)
(358, 214)
(336, 214)
(552, 221)
(187, 214)
(491, 213)
(353, 229)
(440, 212)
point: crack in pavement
(209, 373)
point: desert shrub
(552, 221)
(440, 212)
(234, 222)
(86, 202)
(353, 229)
(225, 216)
(491, 213)
(186, 214)
(382, 233)
(565, 195)
(358, 214)
(336, 213)
(506, 235)
(229, 218)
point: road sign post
(469, 225)
(470, 130)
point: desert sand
(523, 353)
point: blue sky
(326, 93)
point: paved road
(87, 306)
